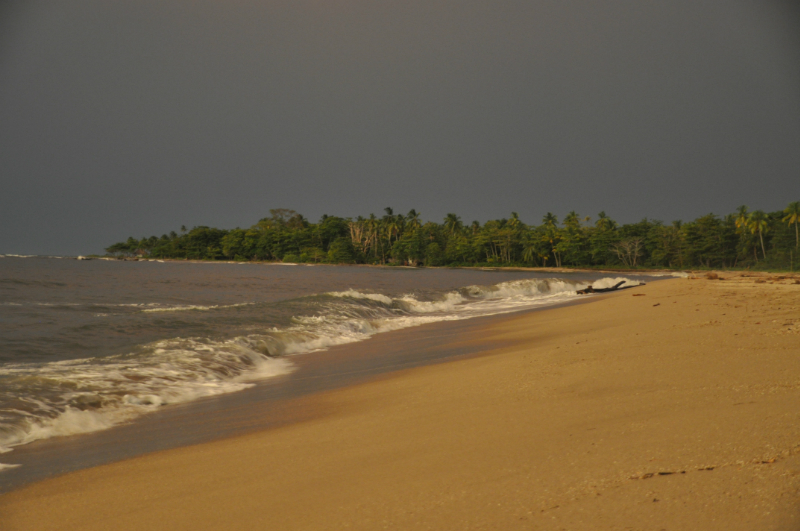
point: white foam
(70, 422)
(189, 307)
(604, 283)
(529, 289)
(353, 294)
(318, 332)
(94, 394)
(447, 304)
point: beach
(673, 405)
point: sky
(126, 119)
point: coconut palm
(412, 219)
(604, 222)
(372, 225)
(572, 219)
(758, 223)
(452, 224)
(552, 236)
(392, 227)
(741, 217)
(514, 223)
(549, 220)
(741, 222)
(793, 217)
(529, 250)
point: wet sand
(267, 405)
(672, 406)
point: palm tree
(603, 221)
(552, 235)
(793, 216)
(572, 219)
(529, 247)
(452, 224)
(392, 228)
(741, 217)
(515, 223)
(757, 221)
(372, 225)
(550, 220)
(413, 219)
(741, 222)
(476, 226)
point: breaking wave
(43, 400)
(189, 307)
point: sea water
(87, 345)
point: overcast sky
(126, 118)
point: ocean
(89, 345)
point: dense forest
(743, 239)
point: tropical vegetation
(743, 239)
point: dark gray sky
(133, 118)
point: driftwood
(616, 287)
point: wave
(145, 307)
(187, 307)
(77, 396)
(29, 282)
(35, 256)
(43, 400)
(353, 294)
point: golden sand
(671, 406)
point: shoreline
(408, 309)
(535, 269)
(196, 422)
(539, 269)
(643, 271)
(666, 404)
(389, 266)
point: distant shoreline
(643, 271)
(391, 266)
(563, 269)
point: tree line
(754, 239)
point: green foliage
(741, 239)
(341, 251)
(434, 255)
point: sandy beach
(675, 405)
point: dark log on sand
(616, 287)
